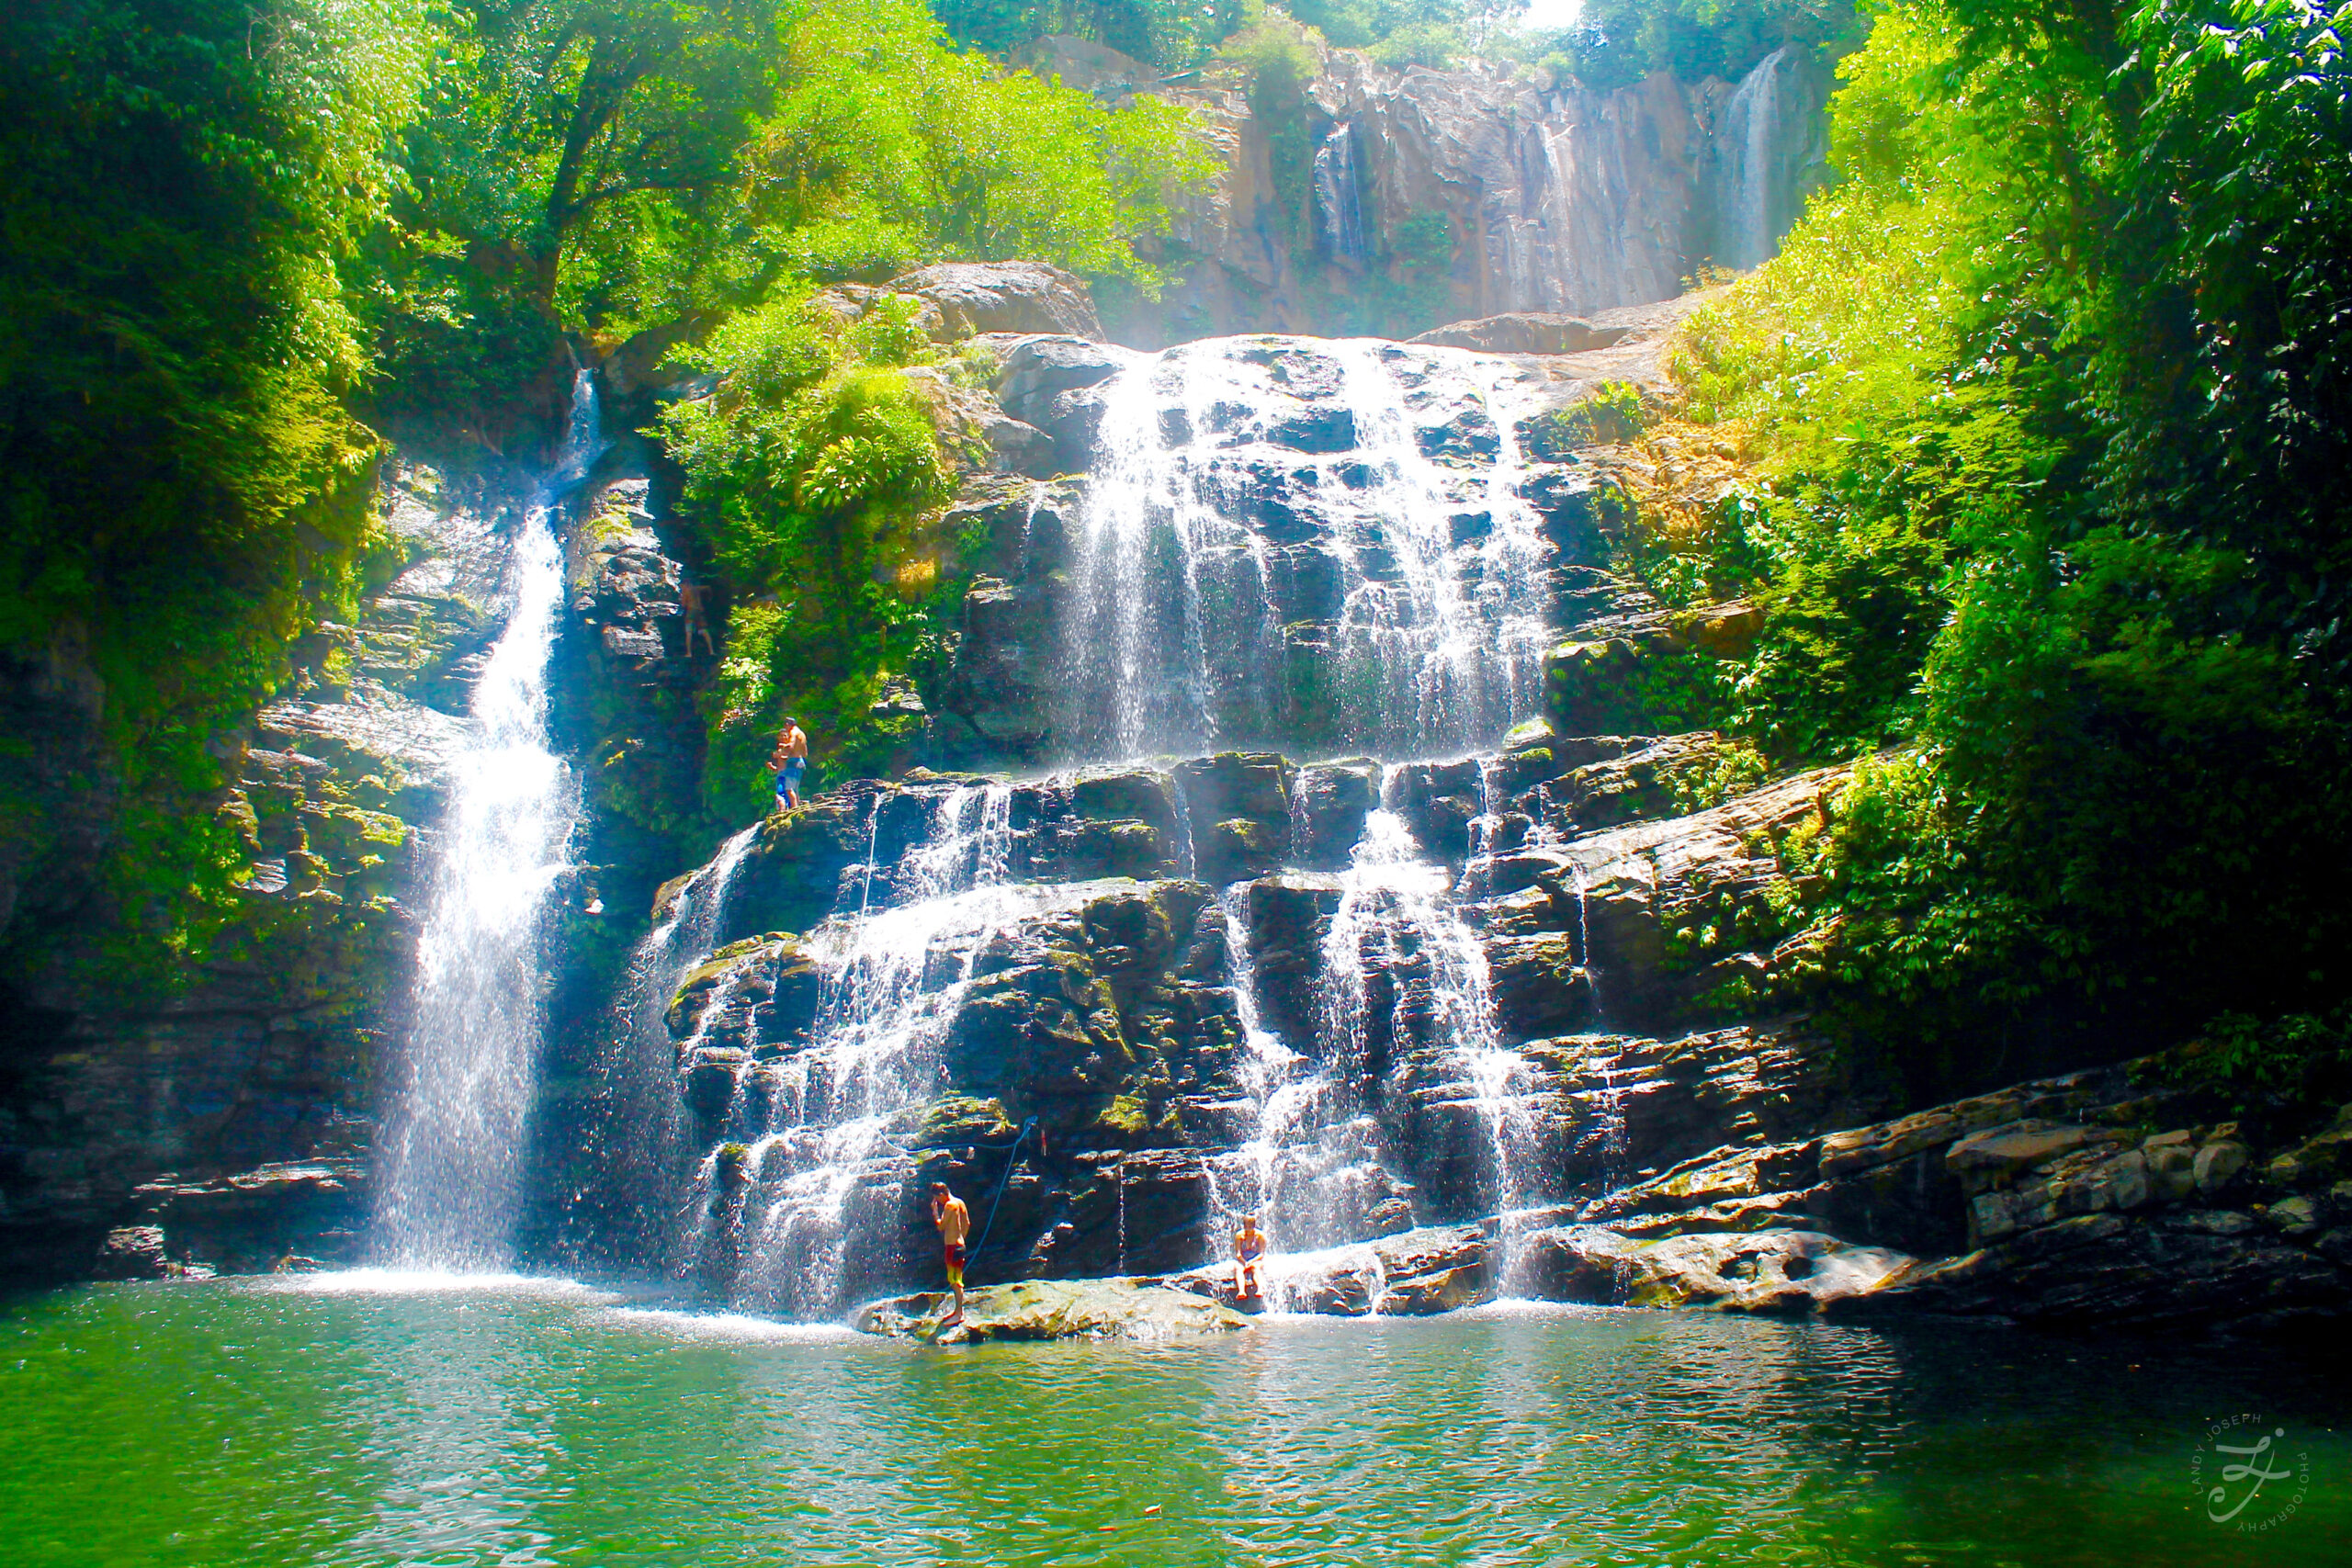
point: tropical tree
(185, 181)
(639, 158)
(548, 113)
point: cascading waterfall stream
(1138, 659)
(1444, 625)
(1182, 615)
(1287, 1091)
(643, 1120)
(451, 1154)
(1748, 134)
(1397, 917)
(772, 1196)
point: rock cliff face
(226, 1123)
(1386, 201)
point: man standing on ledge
(789, 762)
(954, 1223)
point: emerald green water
(339, 1423)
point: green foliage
(1418, 43)
(1612, 414)
(640, 159)
(1173, 35)
(190, 492)
(889, 151)
(1278, 60)
(1410, 32)
(460, 333)
(592, 126)
(1614, 43)
(1714, 775)
(2304, 1060)
(2235, 255)
(816, 474)
(1176, 35)
(2037, 387)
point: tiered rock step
(1696, 1160)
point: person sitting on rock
(694, 599)
(789, 763)
(1249, 1247)
(954, 1223)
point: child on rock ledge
(1249, 1247)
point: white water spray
(1229, 468)
(1397, 914)
(1748, 136)
(451, 1157)
(798, 1138)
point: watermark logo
(2247, 1475)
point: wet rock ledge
(1054, 1309)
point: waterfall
(1287, 1093)
(1134, 644)
(1402, 967)
(1747, 138)
(450, 1161)
(639, 1124)
(1444, 637)
(774, 1201)
(1338, 206)
(1252, 498)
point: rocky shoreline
(2072, 1226)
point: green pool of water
(354, 1422)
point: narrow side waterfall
(1261, 505)
(451, 1153)
(1339, 199)
(1747, 143)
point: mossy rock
(959, 1121)
(1595, 687)
(1056, 1309)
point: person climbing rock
(694, 599)
(789, 762)
(954, 1223)
(1249, 1247)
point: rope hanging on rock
(1012, 1158)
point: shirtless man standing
(789, 760)
(694, 599)
(954, 1223)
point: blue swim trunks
(787, 778)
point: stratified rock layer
(226, 1125)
